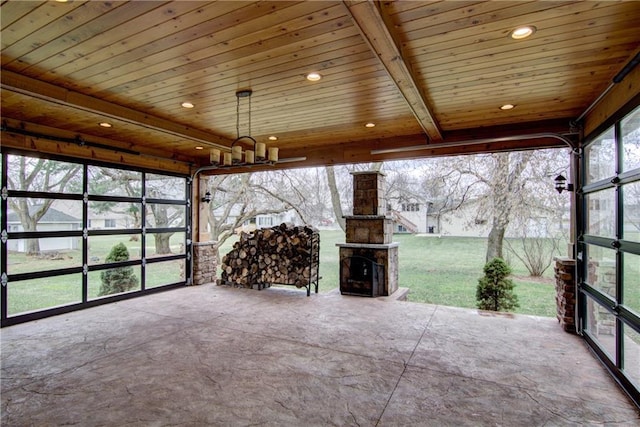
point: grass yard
(38, 294)
(442, 271)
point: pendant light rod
(258, 153)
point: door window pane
(631, 266)
(160, 215)
(101, 246)
(114, 182)
(631, 345)
(45, 214)
(602, 326)
(114, 215)
(600, 157)
(50, 176)
(631, 212)
(55, 253)
(165, 187)
(164, 273)
(601, 269)
(159, 244)
(113, 281)
(601, 213)
(630, 128)
(39, 294)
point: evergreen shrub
(495, 289)
(118, 279)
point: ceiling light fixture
(187, 104)
(258, 155)
(507, 107)
(105, 124)
(199, 147)
(522, 32)
(273, 138)
(370, 125)
(314, 77)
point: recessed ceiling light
(370, 125)
(507, 107)
(105, 124)
(522, 32)
(273, 138)
(187, 105)
(313, 77)
(199, 147)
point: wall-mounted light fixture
(207, 197)
(561, 184)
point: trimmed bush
(495, 290)
(118, 279)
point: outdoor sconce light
(561, 184)
(207, 197)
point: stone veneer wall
(204, 262)
(566, 293)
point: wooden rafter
(41, 90)
(368, 18)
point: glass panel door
(609, 250)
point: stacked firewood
(284, 254)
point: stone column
(566, 293)
(204, 262)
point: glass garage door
(76, 235)
(609, 250)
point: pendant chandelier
(237, 157)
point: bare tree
(38, 175)
(341, 186)
(237, 198)
(158, 215)
(503, 186)
(535, 252)
(335, 197)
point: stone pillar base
(204, 262)
(566, 293)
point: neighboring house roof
(51, 216)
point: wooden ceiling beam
(368, 18)
(46, 91)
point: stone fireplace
(369, 258)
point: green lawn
(441, 271)
(38, 294)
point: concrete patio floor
(208, 355)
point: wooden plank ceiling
(427, 73)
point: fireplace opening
(361, 276)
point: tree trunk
(162, 243)
(494, 243)
(32, 246)
(335, 197)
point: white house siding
(50, 243)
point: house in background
(468, 220)
(53, 220)
(264, 221)
(409, 215)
